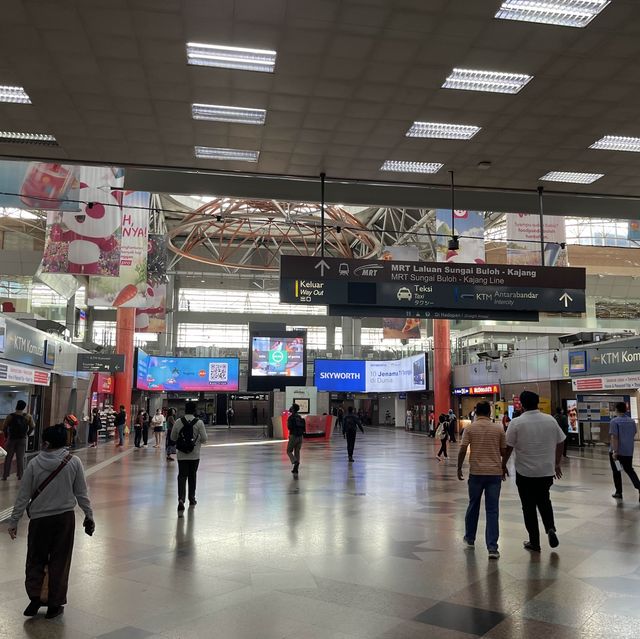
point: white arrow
(322, 265)
(566, 298)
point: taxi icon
(405, 294)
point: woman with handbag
(442, 434)
(52, 484)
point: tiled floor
(369, 550)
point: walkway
(370, 550)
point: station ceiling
(110, 80)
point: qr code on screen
(219, 373)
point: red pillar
(125, 329)
(441, 366)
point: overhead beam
(380, 194)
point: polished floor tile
(370, 550)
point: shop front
(468, 396)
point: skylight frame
(442, 130)
(225, 154)
(235, 58)
(229, 114)
(563, 13)
(486, 81)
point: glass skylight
(411, 167)
(569, 176)
(491, 81)
(565, 13)
(213, 55)
(14, 94)
(237, 115)
(441, 130)
(215, 153)
(617, 143)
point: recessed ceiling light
(617, 143)
(411, 167)
(214, 153)
(566, 13)
(14, 94)
(492, 81)
(568, 176)
(219, 113)
(213, 55)
(28, 138)
(441, 130)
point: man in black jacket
(350, 426)
(296, 426)
(119, 422)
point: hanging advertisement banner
(88, 242)
(152, 318)
(469, 227)
(39, 185)
(129, 289)
(400, 327)
(523, 240)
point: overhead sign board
(607, 382)
(100, 363)
(489, 389)
(24, 374)
(431, 285)
(605, 358)
(340, 310)
(384, 376)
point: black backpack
(18, 427)
(187, 437)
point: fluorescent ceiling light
(566, 13)
(617, 143)
(219, 113)
(213, 153)
(14, 94)
(213, 55)
(411, 167)
(568, 176)
(28, 138)
(492, 81)
(443, 131)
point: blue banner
(341, 375)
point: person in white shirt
(538, 442)
(158, 427)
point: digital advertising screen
(186, 374)
(384, 376)
(277, 359)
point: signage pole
(541, 209)
(322, 180)
(453, 216)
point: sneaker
(617, 495)
(527, 545)
(467, 543)
(180, 506)
(193, 502)
(553, 538)
(33, 608)
(295, 468)
(350, 459)
(54, 611)
(494, 554)
(145, 445)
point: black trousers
(627, 465)
(351, 441)
(137, 437)
(535, 497)
(443, 448)
(50, 546)
(187, 471)
(145, 435)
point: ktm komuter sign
(497, 287)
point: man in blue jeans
(622, 433)
(488, 444)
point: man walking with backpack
(189, 434)
(350, 425)
(297, 427)
(17, 427)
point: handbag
(47, 481)
(3, 452)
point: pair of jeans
(293, 448)
(15, 447)
(50, 546)
(145, 435)
(627, 465)
(351, 441)
(535, 497)
(187, 471)
(137, 439)
(490, 485)
(120, 428)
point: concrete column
(441, 366)
(357, 337)
(347, 338)
(400, 411)
(70, 316)
(331, 338)
(125, 330)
